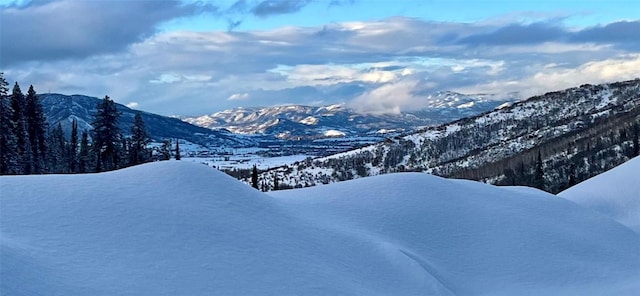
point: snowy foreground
(179, 228)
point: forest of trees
(29, 146)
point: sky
(378, 56)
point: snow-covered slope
(615, 193)
(178, 228)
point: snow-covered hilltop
(178, 228)
(297, 121)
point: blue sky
(193, 58)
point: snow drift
(177, 228)
(615, 193)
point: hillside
(176, 228)
(610, 194)
(307, 122)
(63, 109)
(581, 131)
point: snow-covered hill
(179, 228)
(590, 127)
(296, 121)
(614, 193)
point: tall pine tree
(106, 136)
(139, 153)
(178, 157)
(84, 155)
(8, 139)
(538, 178)
(73, 147)
(18, 118)
(254, 177)
(36, 128)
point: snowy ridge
(610, 193)
(173, 227)
(313, 121)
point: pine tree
(636, 142)
(275, 181)
(73, 147)
(178, 157)
(106, 136)
(84, 157)
(8, 139)
(538, 178)
(57, 156)
(254, 177)
(37, 129)
(139, 153)
(18, 105)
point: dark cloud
(274, 7)
(52, 30)
(623, 32)
(618, 32)
(517, 34)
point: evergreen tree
(84, 158)
(139, 153)
(8, 139)
(57, 156)
(73, 147)
(23, 144)
(36, 128)
(178, 150)
(106, 136)
(275, 181)
(254, 177)
(538, 178)
(636, 142)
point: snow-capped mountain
(179, 228)
(578, 133)
(63, 109)
(296, 121)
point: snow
(334, 133)
(179, 228)
(614, 193)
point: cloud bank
(380, 66)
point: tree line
(28, 145)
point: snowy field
(180, 228)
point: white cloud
(235, 97)
(390, 98)
(550, 77)
(132, 105)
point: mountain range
(313, 122)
